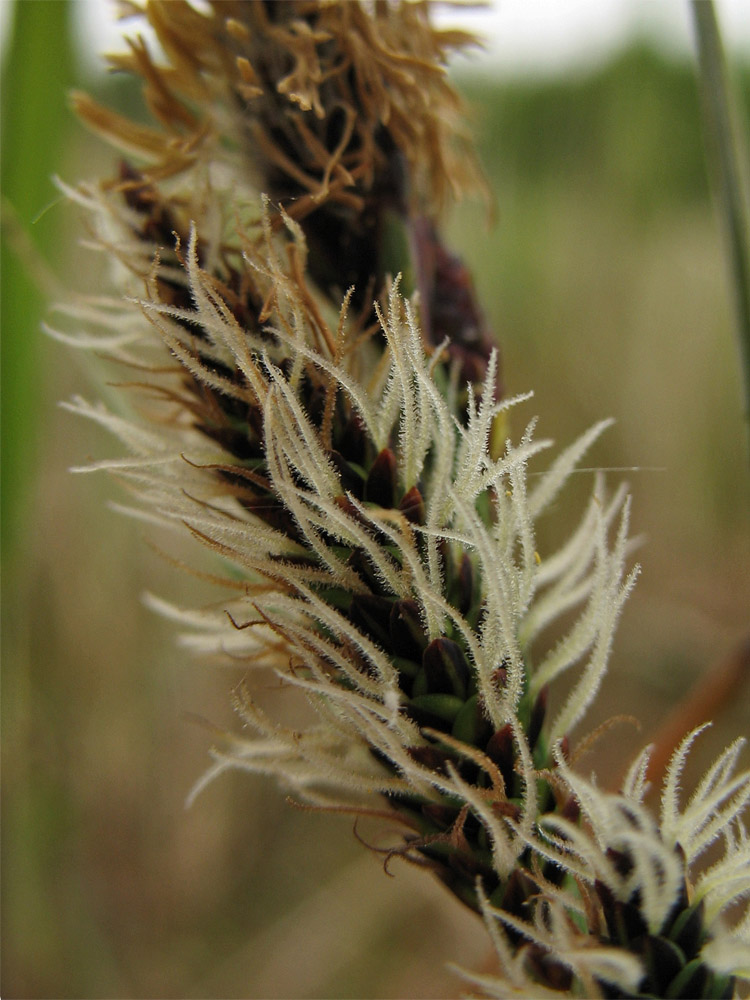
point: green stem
(725, 155)
(37, 72)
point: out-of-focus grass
(605, 283)
(729, 162)
(37, 73)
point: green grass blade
(37, 74)
(728, 164)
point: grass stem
(728, 165)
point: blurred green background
(605, 281)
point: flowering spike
(335, 447)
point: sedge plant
(315, 396)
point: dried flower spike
(333, 443)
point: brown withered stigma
(344, 118)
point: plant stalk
(729, 169)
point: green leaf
(37, 73)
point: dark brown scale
(514, 896)
(553, 873)
(351, 479)
(445, 668)
(407, 636)
(371, 615)
(691, 931)
(450, 307)
(346, 505)
(351, 440)
(412, 506)
(344, 251)
(547, 969)
(624, 920)
(571, 809)
(380, 485)
(694, 985)
(229, 421)
(231, 404)
(243, 297)
(468, 864)
(538, 713)
(464, 586)
(664, 959)
(158, 226)
(233, 441)
(271, 510)
(173, 293)
(346, 244)
(361, 565)
(442, 816)
(621, 861)
(435, 759)
(313, 394)
(501, 751)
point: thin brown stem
(713, 693)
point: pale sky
(558, 35)
(522, 35)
